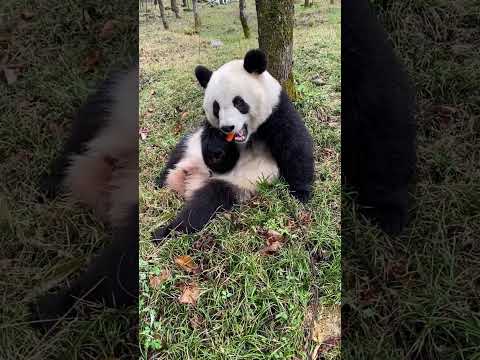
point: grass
(416, 296)
(43, 245)
(250, 306)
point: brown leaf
(107, 29)
(92, 60)
(204, 243)
(274, 242)
(156, 281)
(187, 264)
(178, 128)
(183, 115)
(27, 14)
(190, 294)
(196, 321)
(305, 218)
(326, 329)
(10, 75)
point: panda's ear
(203, 75)
(255, 61)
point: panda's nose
(227, 129)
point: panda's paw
(159, 235)
(47, 310)
(302, 195)
(391, 220)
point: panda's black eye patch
(241, 105)
(216, 108)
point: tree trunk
(307, 3)
(175, 8)
(184, 3)
(244, 19)
(332, 2)
(162, 14)
(275, 38)
(196, 16)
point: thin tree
(162, 14)
(184, 3)
(175, 8)
(196, 16)
(332, 2)
(244, 19)
(307, 3)
(278, 44)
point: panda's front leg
(296, 166)
(213, 197)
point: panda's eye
(241, 105)
(216, 109)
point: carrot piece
(230, 137)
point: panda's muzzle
(241, 136)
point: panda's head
(240, 95)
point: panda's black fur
(291, 145)
(378, 125)
(112, 277)
(220, 157)
(285, 137)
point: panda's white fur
(260, 91)
(254, 165)
(89, 177)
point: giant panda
(98, 167)
(378, 120)
(242, 98)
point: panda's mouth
(241, 136)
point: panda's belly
(254, 165)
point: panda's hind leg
(213, 197)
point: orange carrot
(230, 137)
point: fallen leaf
(305, 218)
(183, 115)
(196, 321)
(10, 75)
(326, 329)
(27, 14)
(204, 243)
(92, 60)
(190, 294)
(143, 133)
(274, 242)
(178, 128)
(154, 92)
(107, 29)
(156, 281)
(187, 264)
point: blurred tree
(196, 16)
(244, 19)
(175, 8)
(162, 14)
(307, 3)
(275, 37)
